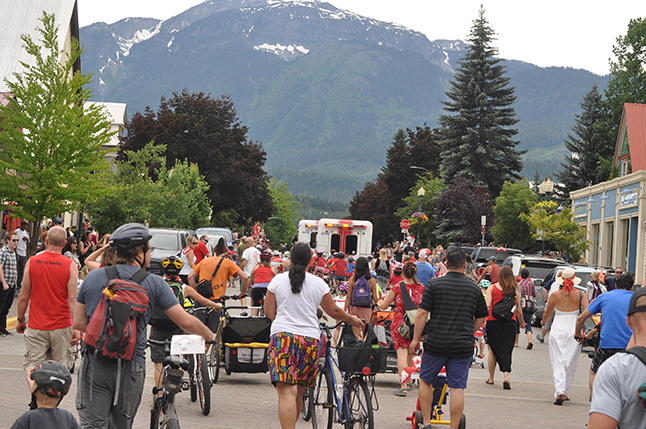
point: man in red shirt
(49, 289)
(201, 251)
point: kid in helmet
(52, 381)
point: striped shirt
(454, 303)
(9, 266)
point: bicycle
(199, 376)
(164, 415)
(349, 402)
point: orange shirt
(49, 308)
(206, 268)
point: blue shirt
(613, 306)
(425, 272)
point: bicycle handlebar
(224, 298)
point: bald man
(49, 289)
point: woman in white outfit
(567, 303)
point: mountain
(323, 88)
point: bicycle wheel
(191, 378)
(305, 409)
(360, 413)
(215, 353)
(322, 401)
(172, 422)
(203, 384)
(156, 416)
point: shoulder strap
(113, 273)
(217, 268)
(408, 301)
(638, 351)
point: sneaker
(244, 314)
(530, 346)
(540, 339)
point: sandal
(488, 381)
(506, 385)
(530, 346)
(560, 399)
(400, 392)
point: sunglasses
(15, 241)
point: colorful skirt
(293, 359)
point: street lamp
(420, 195)
(547, 187)
(419, 168)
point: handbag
(407, 328)
(505, 308)
(205, 288)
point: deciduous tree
(478, 128)
(207, 131)
(281, 227)
(51, 154)
(433, 187)
(510, 230)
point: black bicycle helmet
(130, 235)
(52, 378)
(172, 265)
(265, 255)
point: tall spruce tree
(477, 136)
(587, 146)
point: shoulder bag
(407, 328)
(205, 288)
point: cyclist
(161, 326)
(340, 268)
(260, 277)
(52, 381)
(320, 264)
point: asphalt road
(249, 400)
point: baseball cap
(424, 253)
(633, 308)
(491, 258)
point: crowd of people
(63, 285)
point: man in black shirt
(458, 309)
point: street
(249, 400)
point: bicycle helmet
(343, 287)
(172, 265)
(265, 256)
(398, 267)
(485, 283)
(340, 255)
(52, 378)
(130, 235)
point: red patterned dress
(416, 290)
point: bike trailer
(246, 340)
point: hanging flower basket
(418, 217)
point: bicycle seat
(176, 362)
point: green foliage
(627, 82)
(171, 198)
(510, 230)
(52, 158)
(568, 236)
(281, 227)
(583, 167)
(433, 187)
(477, 136)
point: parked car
(481, 254)
(214, 235)
(166, 242)
(581, 271)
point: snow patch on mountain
(288, 53)
(140, 35)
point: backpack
(361, 293)
(640, 353)
(160, 319)
(505, 308)
(528, 302)
(380, 270)
(112, 330)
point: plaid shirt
(527, 287)
(9, 266)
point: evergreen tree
(627, 84)
(587, 146)
(477, 138)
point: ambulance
(353, 237)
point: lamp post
(420, 195)
(547, 187)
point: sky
(565, 33)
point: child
(51, 383)
(340, 301)
(397, 275)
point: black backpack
(160, 319)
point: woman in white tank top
(188, 258)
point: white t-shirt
(21, 249)
(252, 255)
(296, 312)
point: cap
(57, 220)
(491, 258)
(424, 253)
(633, 307)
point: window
(351, 242)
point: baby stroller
(475, 359)
(381, 321)
(245, 341)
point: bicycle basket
(355, 355)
